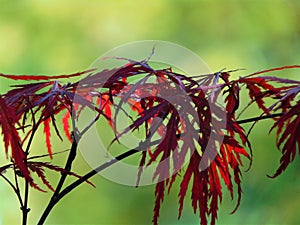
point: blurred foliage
(51, 37)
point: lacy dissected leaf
(35, 168)
(65, 121)
(286, 107)
(187, 121)
(206, 186)
(232, 93)
(288, 128)
(274, 70)
(181, 111)
(48, 135)
(258, 90)
(38, 168)
(281, 94)
(42, 77)
(12, 139)
(165, 147)
(40, 102)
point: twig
(72, 154)
(62, 179)
(143, 145)
(47, 155)
(258, 118)
(24, 208)
(90, 174)
(59, 195)
(14, 188)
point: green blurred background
(58, 37)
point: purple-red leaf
(43, 77)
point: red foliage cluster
(189, 117)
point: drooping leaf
(12, 139)
(65, 121)
(185, 127)
(47, 136)
(38, 168)
(288, 128)
(43, 77)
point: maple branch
(54, 198)
(84, 178)
(25, 208)
(143, 145)
(258, 118)
(47, 155)
(96, 170)
(16, 190)
(76, 135)
(57, 197)
(34, 129)
(60, 97)
(70, 159)
(96, 118)
(68, 166)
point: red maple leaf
(186, 124)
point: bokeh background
(58, 37)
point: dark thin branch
(16, 181)
(258, 118)
(95, 171)
(134, 151)
(67, 168)
(63, 177)
(70, 159)
(47, 155)
(72, 154)
(105, 165)
(91, 124)
(17, 191)
(17, 188)
(84, 178)
(54, 200)
(56, 197)
(143, 145)
(24, 208)
(34, 129)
